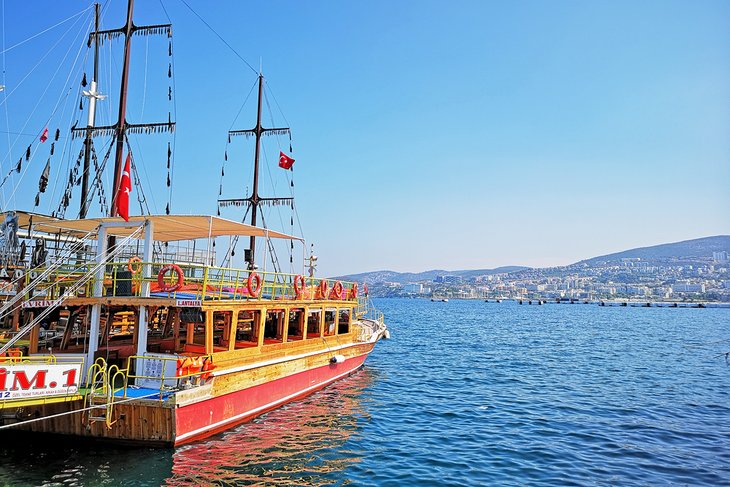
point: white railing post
(97, 293)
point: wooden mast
(254, 201)
(122, 119)
(255, 191)
(121, 127)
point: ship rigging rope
(89, 408)
(42, 276)
(219, 36)
(43, 31)
(60, 260)
(71, 290)
(174, 113)
(40, 98)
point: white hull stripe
(285, 359)
(262, 408)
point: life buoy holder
(254, 289)
(165, 287)
(299, 284)
(353, 291)
(131, 267)
(337, 290)
(323, 288)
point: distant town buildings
(676, 279)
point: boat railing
(185, 281)
(164, 373)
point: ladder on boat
(99, 401)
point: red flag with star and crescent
(285, 161)
(125, 187)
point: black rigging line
(219, 36)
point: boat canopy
(167, 228)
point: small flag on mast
(285, 161)
(125, 187)
(44, 135)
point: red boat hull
(207, 417)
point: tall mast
(255, 191)
(122, 119)
(121, 128)
(88, 141)
(254, 201)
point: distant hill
(686, 250)
(406, 277)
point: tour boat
(127, 328)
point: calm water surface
(469, 393)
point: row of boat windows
(234, 330)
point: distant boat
(442, 300)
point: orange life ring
(353, 291)
(254, 290)
(130, 265)
(323, 288)
(299, 284)
(164, 287)
(337, 290)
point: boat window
(313, 321)
(247, 328)
(221, 330)
(329, 321)
(274, 326)
(343, 324)
(296, 325)
(192, 325)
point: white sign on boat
(188, 303)
(19, 381)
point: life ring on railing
(323, 289)
(299, 284)
(253, 290)
(337, 290)
(166, 288)
(130, 265)
(353, 291)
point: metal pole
(90, 124)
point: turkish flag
(285, 161)
(125, 187)
(44, 135)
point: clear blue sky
(453, 135)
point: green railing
(185, 281)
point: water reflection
(302, 443)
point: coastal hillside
(686, 250)
(406, 277)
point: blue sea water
(468, 393)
